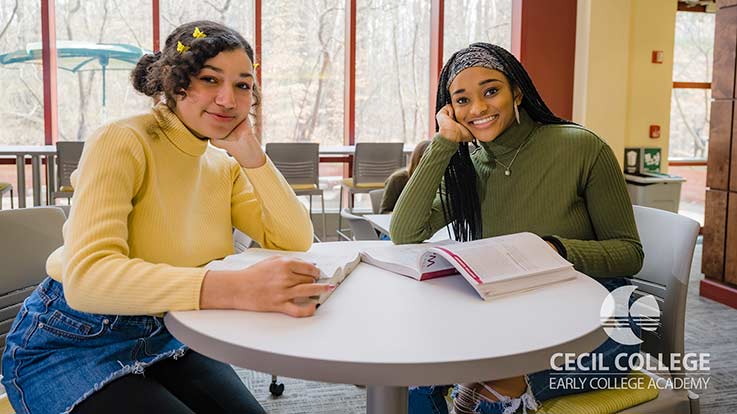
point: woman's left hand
(242, 144)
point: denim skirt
(55, 356)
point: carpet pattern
(710, 327)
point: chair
(4, 188)
(668, 240)
(360, 227)
(68, 154)
(373, 163)
(299, 163)
(29, 236)
(376, 197)
(66, 209)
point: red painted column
(156, 18)
(257, 37)
(349, 96)
(544, 40)
(257, 48)
(437, 21)
(48, 41)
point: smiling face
(219, 97)
(482, 100)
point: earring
(516, 113)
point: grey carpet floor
(710, 327)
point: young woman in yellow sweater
(153, 203)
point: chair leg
(340, 219)
(324, 227)
(274, 388)
(309, 203)
(694, 403)
(342, 233)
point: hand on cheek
(243, 145)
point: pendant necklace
(508, 168)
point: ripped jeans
(431, 399)
(55, 357)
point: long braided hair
(459, 197)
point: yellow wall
(618, 92)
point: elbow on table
(81, 282)
(639, 259)
(298, 242)
(77, 298)
(401, 236)
(303, 244)
(630, 266)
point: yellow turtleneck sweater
(152, 204)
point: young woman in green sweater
(533, 171)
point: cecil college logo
(616, 312)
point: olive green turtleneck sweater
(564, 183)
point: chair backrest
(375, 161)
(68, 154)
(360, 227)
(298, 162)
(376, 197)
(668, 241)
(29, 235)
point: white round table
(389, 331)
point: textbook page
(330, 264)
(405, 260)
(501, 258)
(334, 266)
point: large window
(690, 101)
(236, 14)
(468, 21)
(392, 75)
(690, 107)
(93, 85)
(303, 71)
(22, 115)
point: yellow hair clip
(256, 65)
(181, 48)
(198, 34)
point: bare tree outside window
(469, 21)
(392, 75)
(690, 108)
(237, 14)
(303, 71)
(80, 94)
(22, 114)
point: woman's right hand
(449, 128)
(276, 284)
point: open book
(494, 266)
(334, 265)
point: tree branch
(10, 20)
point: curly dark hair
(460, 200)
(168, 72)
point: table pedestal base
(386, 400)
